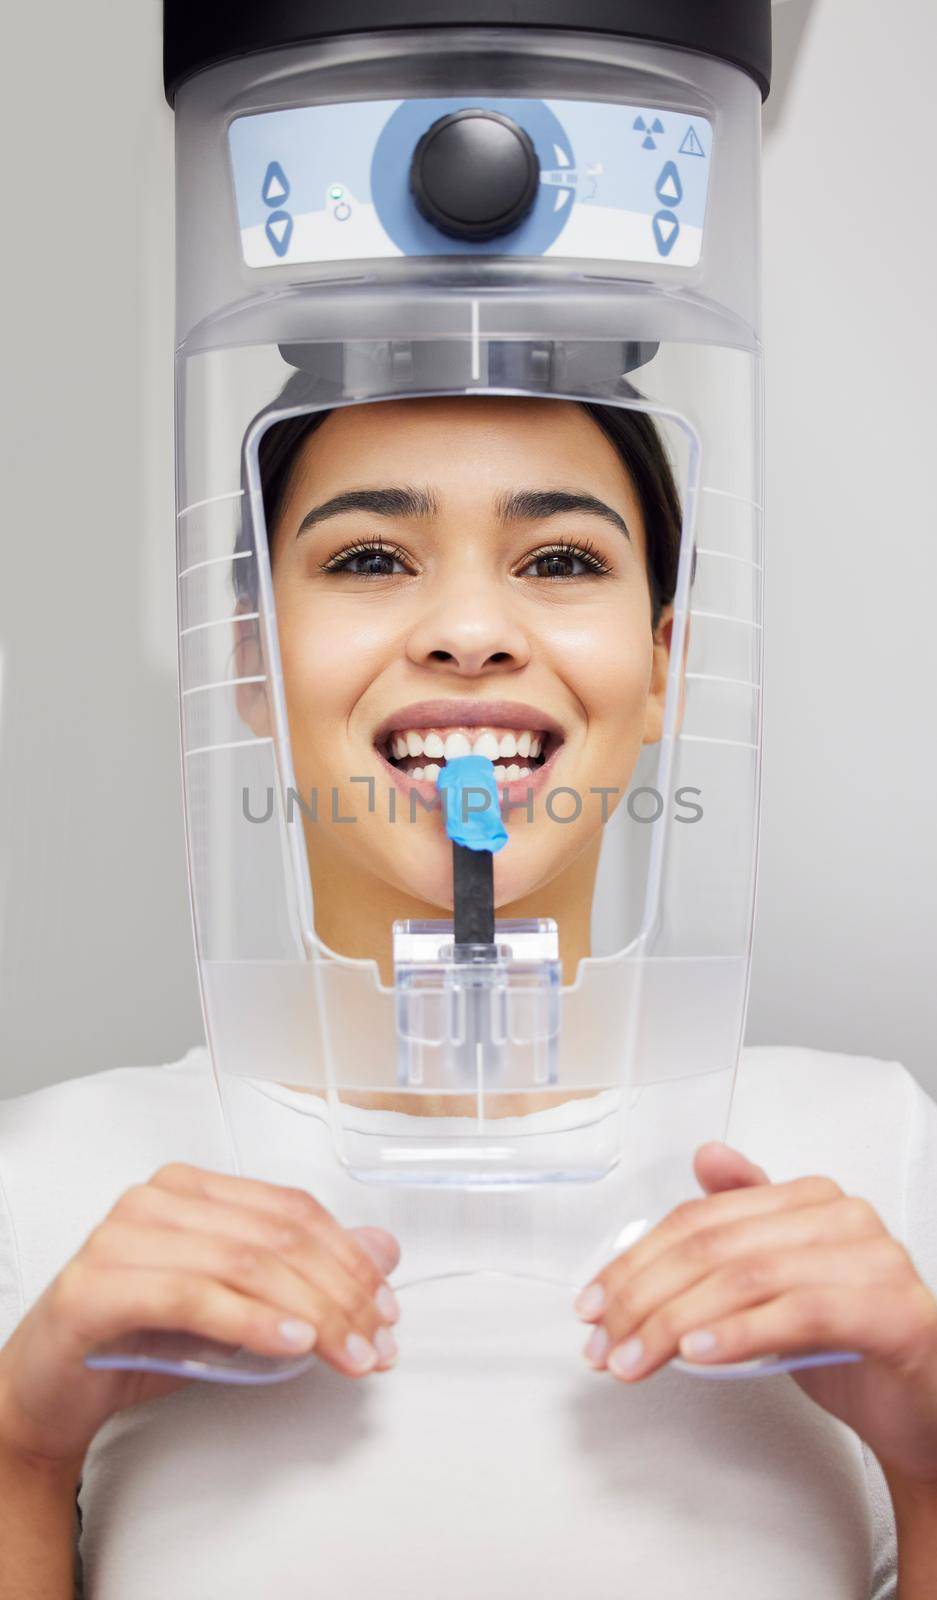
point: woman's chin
(425, 877)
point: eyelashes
(373, 558)
(569, 551)
(374, 551)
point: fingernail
(386, 1302)
(385, 1344)
(596, 1346)
(299, 1335)
(590, 1302)
(698, 1343)
(627, 1356)
(361, 1354)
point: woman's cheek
(611, 679)
(324, 678)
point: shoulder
(68, 1151)
(786, 1080)
(857, 1119)
(133, 1110)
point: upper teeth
(490, 742)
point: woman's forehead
(464, 445)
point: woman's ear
(253, 706)
(660, 669)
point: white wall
(846, 944)
(96, 961)
(96, 965)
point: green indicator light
(336, 192)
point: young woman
(443, 568)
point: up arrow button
(275, 186)
(669, 189)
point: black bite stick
(473, 895)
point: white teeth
(489, 742)
(432, 771)
(524, 772)
(486, 745)
(415, 772)
(512, 773)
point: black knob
(474, 174)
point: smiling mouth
(421, 753)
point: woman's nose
(468, 630)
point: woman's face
(462, 573)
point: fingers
(817, 1316)
(348, 1271)
(749, 1246)
(282, 1203)
(703, 1282)
(304, 1283)
(805, 1279)
(97, 1304)
(695, 1216)
(270, 1246)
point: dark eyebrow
(385, 502)
(527, 504)
(523, 505)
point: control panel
(427, 177)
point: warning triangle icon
(691, 145)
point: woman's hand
(222, 1258)
(758, 1268)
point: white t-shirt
(491, 1461)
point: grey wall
(96, 964)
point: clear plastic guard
(766, 1366)
(185, 1355)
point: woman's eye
(372, 564)
(564, 563)
(368, 561)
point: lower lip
(514, 793)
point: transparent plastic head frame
(659, 1002)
